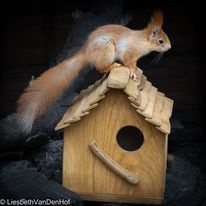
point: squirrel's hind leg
(103, 55)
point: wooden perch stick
(114, 166)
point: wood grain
(85, 174)
(121, 198)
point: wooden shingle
(148, 111)
(156, 116)
(132, 89)
(166, 113)
(144, 96)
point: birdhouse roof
(142, 95)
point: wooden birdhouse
(115, 140)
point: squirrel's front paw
(134, 74)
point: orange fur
(102, 48)
(44, 90)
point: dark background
(34, 33)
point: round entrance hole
(130, 138)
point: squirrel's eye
(161, 41)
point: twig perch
(114, 166)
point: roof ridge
(142, 95)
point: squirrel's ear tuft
(157, 19)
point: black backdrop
(34, 33)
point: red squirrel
(102, 48)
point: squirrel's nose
(167, 46)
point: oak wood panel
(86, 175)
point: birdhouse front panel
(129, 140)
(115, 140)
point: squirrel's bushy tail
(46, 88)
